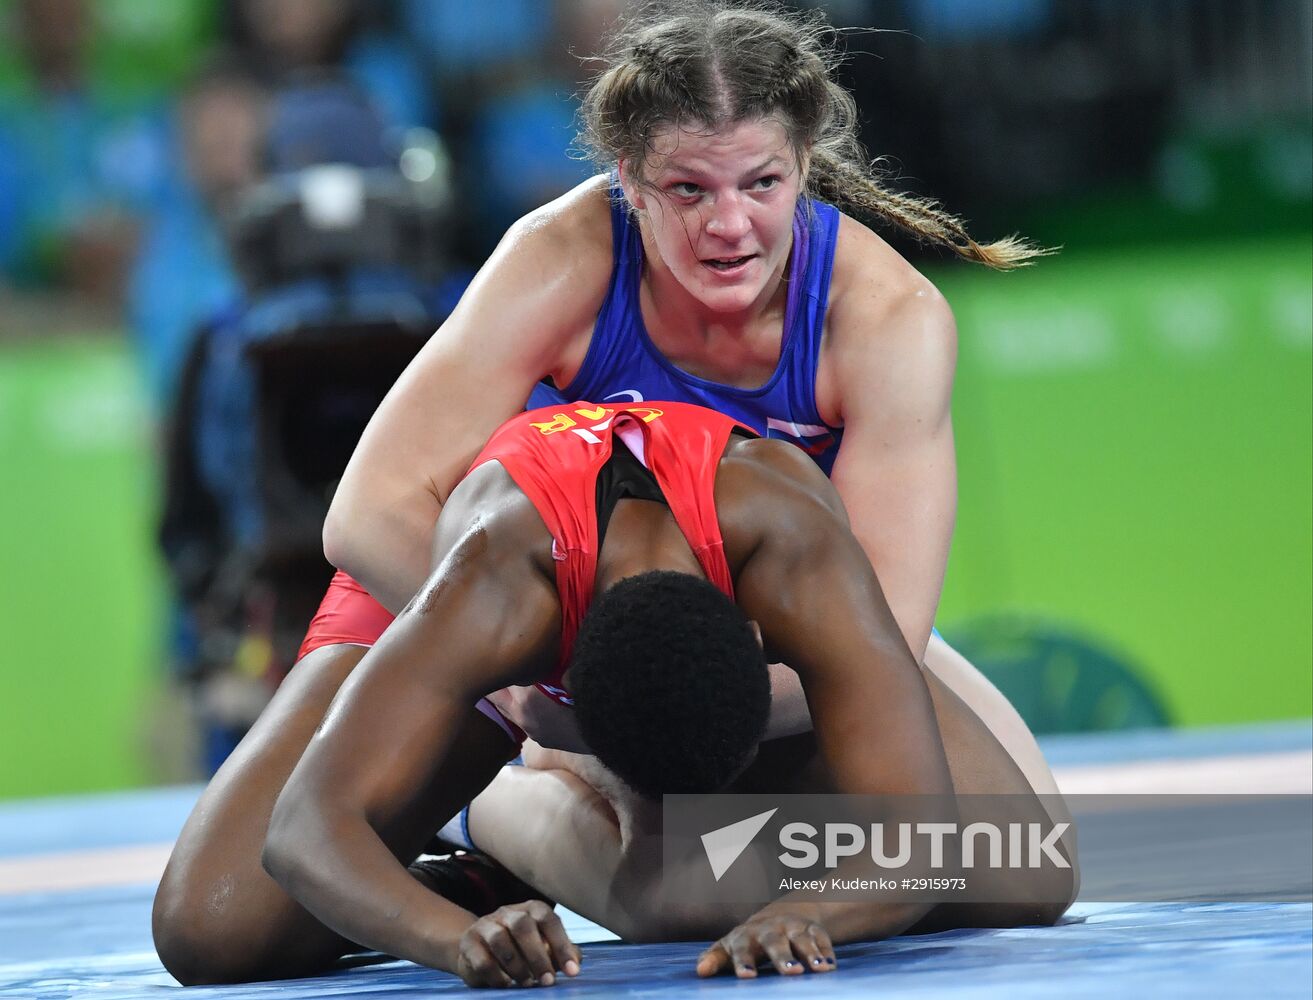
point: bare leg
(994, 710)
(218, 917)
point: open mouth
(727, 263)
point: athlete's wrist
(443, 938)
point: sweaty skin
(885, 373)
(356, 803)
(885, 369)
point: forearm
(910, 567)
(343, 874)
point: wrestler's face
(717, 209)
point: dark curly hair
(670, 684)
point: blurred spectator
(326, 121)
(522, 131)
(339, 251)
(949, 20)
(182, 276)
(466, 41)
(284, 38)
(80, 161)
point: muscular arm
(894, 349)
(402, 748)
(513, 326)
(811, 586)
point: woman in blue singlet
(711, 264)
(719, 260)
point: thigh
(218, 916)
(991, 708)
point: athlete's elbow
(348, 534)
(1033, 913)
(277, 860)
(284, 853)
(1051, 895)
(336, 537)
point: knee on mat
(201, 947)
(192, 956)
(1052, 898)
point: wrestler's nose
(729, 219)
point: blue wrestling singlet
(622, 363)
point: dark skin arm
(402, 749)
(806, 579)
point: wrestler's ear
(633, 193)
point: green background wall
(1134, 431)
(79, 584)
(1134, 438)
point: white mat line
(1240, 774)
(137, 864)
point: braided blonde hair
(715, 63)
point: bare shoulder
(488, 505)
(768, 488)
(571, 232)
(760, 464)
(491, 563)
(885, 319)
(535, 300)
(868, 273)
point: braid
(648, 57)
(849, 186)
(718, 62)
(663, 75)
(788, 78)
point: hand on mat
(793, 942)
(524, 944)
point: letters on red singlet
(596, 418)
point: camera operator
(341, 255)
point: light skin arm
(511, 328)
(401, 749)
(894, 352)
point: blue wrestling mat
(77, 877)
